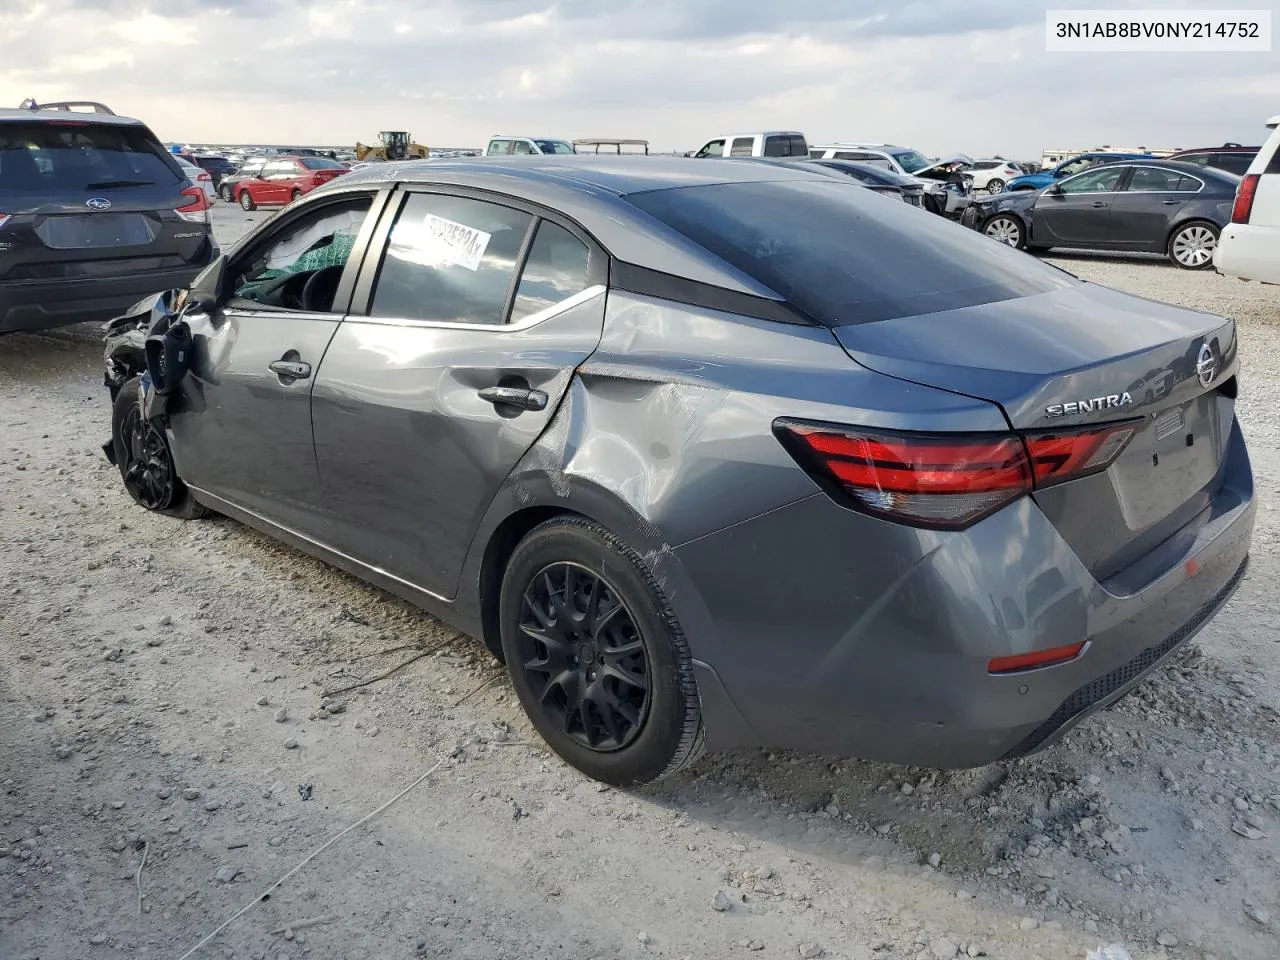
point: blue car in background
(1067, 168)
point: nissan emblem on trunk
(98, 203)
(1206, 365)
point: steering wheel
(292, 292)
(320, 289)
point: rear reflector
(1244, 198)
(944, 481)
(1040, 658)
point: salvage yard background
(166, 755)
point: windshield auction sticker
(1157, 31)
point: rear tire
(246, 201)
(146, 461)
(596, 656)
(293, 197)
(995, 185)
(224, 192)
(1192, 244)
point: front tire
(146, 461)
(1191, 246)
(1007, 229)
(246, 201)
(596, 656)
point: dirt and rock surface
(172, 746)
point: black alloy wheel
(583, 655)
(145, 461)
(596, 655)
(149, 475)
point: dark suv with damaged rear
(94, 215)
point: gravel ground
(172, 747)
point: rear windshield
(321, 163)
(79, 156)
(844, 256)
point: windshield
(910, 161)
(79, 155)
(554, 146)
(844, 256)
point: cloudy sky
(941, 76)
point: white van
(770, 143)
(1249, 247)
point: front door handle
(1100, 203)
(290, 369)
(521, 397)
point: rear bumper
(1249, 251)
(41, 304)
(878, 647)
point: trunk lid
(1077, 357)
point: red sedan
(285, 179)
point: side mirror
(1055, 188)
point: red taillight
(938, 481)
(944, 481)
(1244, 198)
(1056, 457)
(1040, 658)
(195, 205)
(204, 177)
(4, 218)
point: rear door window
(449, 259)
(1153, 179)
(742, 146)
(556, 269)
(842, 255)
(76, 156)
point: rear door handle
(290, 369)
(521, 397)
(1100, 203)
(1171, 203)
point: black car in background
(94, 215)
(1138, 206)
(218, 168)
(910, 189)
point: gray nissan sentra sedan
(710, 454)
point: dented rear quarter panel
(665, 434)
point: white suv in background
(1249, 247)
(992, 175)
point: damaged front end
(152, 342)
